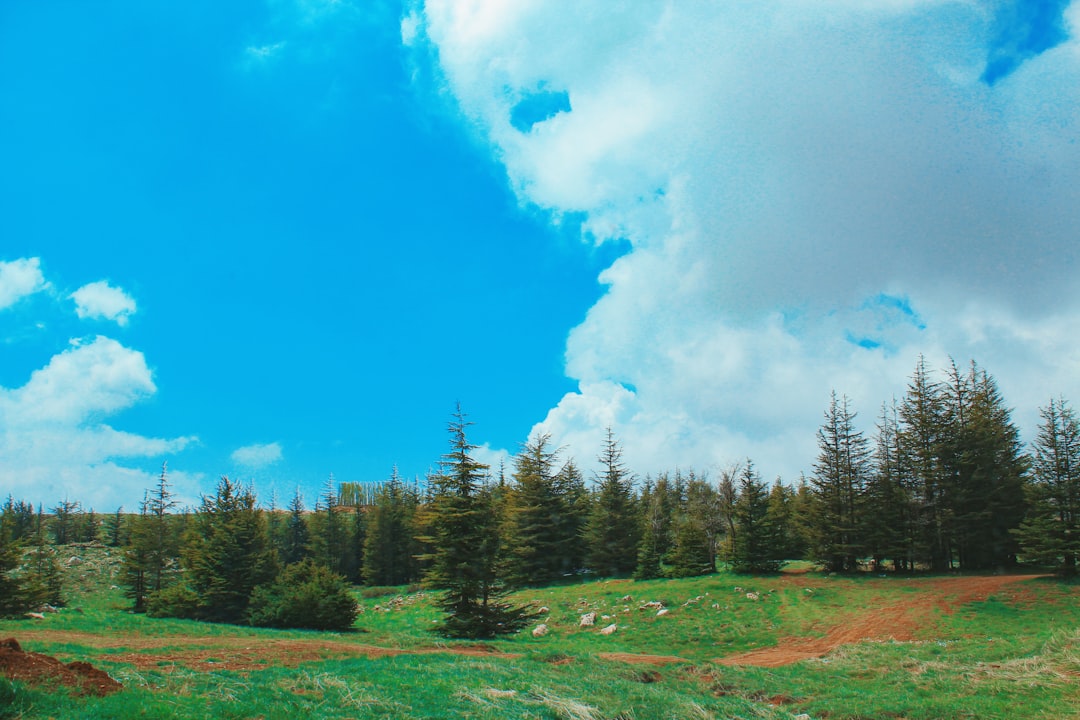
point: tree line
(943, 483)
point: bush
(178, 601)
(304, 595)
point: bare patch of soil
(37, 669)
(899, 621)
(211, 654)
(638, 659)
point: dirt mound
(897, 622)
(37, 669)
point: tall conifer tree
(465, 546)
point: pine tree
(535, 505)
(574, 514)
(226, 557)
(889, 529)
(1050, 534)
(612, 533)
(756, 547)
(839, 477)
(295, 540)
(922, 424)
(789, 544)
(657, 508)
(65, 516)
(465, 550)
(986, 469)
(697, 527)
(14, 595)
(150, 559)
(329, 537)
(389, 548)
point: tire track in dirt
(897, 621)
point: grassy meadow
(934, 647)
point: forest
(943, 483)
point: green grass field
(936, 648)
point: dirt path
(236, 653)
(898, 621)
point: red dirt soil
(37, 669)
(899, 621)
(237, 653)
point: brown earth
(236, 653)
(37, 669)
(898, 621)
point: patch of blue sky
(1023, 29)
(866, 343)
(537, 107)
(893, 310)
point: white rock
(588, 620)
(540, 630)
(609, 629)
(661, 611)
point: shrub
(176, 601)
(304, 595)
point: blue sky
(281, 239)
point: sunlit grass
(1016, 654)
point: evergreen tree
(295, 541)
(14, 596)
(357, 537)
(840, 475)
(113, 529)
(612, 532)
(20, 518)
(464, 539)
(657, 534)
(43, 582)
(574, 514)
(756, 547)
(389, 546)
(226, 557)
(890, 522)
(922, 425)
(1050, 534)
(789, 544)
(150, 560)
(63, 526)
(986, 471)
(329, 544)
(727, 495)
(534, 508)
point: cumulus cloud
(257, 456)
(18, 279)
(814, 194)
(101, 300)
(54, 442)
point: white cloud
(18, 279)
(257, 456)
(259, 54)
(777, 166)
(54, 443)
(101, 300)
